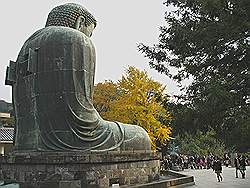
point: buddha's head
(74, 16)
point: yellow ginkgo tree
(136, 99)
(104, 95)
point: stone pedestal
(78, 170)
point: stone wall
(80, 170)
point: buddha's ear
(80, 21)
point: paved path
(207, 178)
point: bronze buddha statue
(52, 83)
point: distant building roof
(6, 134)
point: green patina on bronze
(66, 15)
(52, 85)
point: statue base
(77, 170)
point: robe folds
(53, 98)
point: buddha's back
(53, 91)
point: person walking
(242, 166)
(226, 160)
(236, 164)
(192, 162)
(217, 167)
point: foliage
(239, 135)
(203, 38)
(184, 118)
(209, 41)
(137, 100)
(104, 94)
(201, 143)
(7, 121)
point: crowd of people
(181, 162)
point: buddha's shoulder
(58, 33)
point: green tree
(137, 100)
(8, 121)
(200, 143)
(184, 118)
(208, 40)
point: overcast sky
(122, 24)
